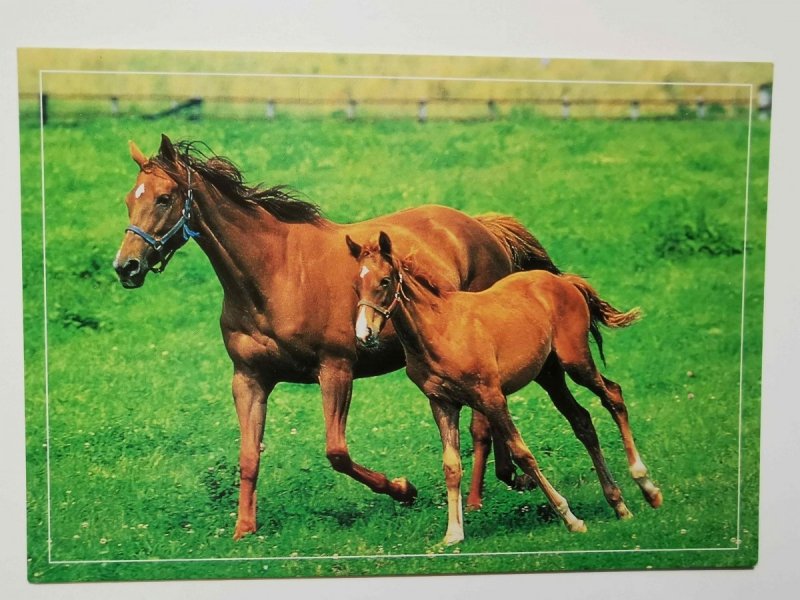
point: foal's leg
(497, 411)
(481, 446)
(585, 373)
(446, 417)
(552, 380)
(250, 396)
(336, 383)
(504, 469)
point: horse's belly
(518, 369)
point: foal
(476, 348)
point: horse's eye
(164, 199)
(385, 282)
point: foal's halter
(158, 243)
(399, 294)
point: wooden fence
(194, 108)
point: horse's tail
(527, 254)
(601, 311)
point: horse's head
(159, 207)
(378, 285)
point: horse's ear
(355, 249)
(167, 150)
(385, 244)
(138, 157)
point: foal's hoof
(623, 513)
(453, 538)
(577, 526)
(406, 493)
(655, 498)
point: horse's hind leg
(481, 446)
(504, 428)
(504, 469)
(585, 373)
(552, 380)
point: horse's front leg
(250, 394)
(446, 417)
(336, 384)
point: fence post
(564, 108)
(195, 106)
(701, 108)
(114, 106)
(422, 112)
(43, 107)
(492, 106)
(635, 110)
(351, 110)
(270, 109)
(764, 101)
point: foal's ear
(385, 244)
(138, 157)
(167, 150)
(355, 249)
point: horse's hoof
(473, 505)
(243, 529)
(577, 526)
(407, 492)
(655, 498)
(454, 538)
(523, 482)
(623, 513)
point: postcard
(320, 315)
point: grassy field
(133, 440)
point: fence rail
(193, 107)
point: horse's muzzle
(131, 273)
(370, 341)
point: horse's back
(451, 244)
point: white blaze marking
(362, 330)
(139, 191)
(363, 272)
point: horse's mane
(412, 269)
(280, 201)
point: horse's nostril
(130, 268)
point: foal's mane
(412, 269)
(412, 272)
(280, 201)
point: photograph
(301, 315)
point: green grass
(143, 438)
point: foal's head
(155, 204)
(378, 285)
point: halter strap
(399, 295)
(158, 243)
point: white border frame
(337, 557)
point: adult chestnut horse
(473, 349)
(289, 303)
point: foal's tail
(527, 254)
(601, 311)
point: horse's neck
(419, 323)
(238, 240)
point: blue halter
(182, 225)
